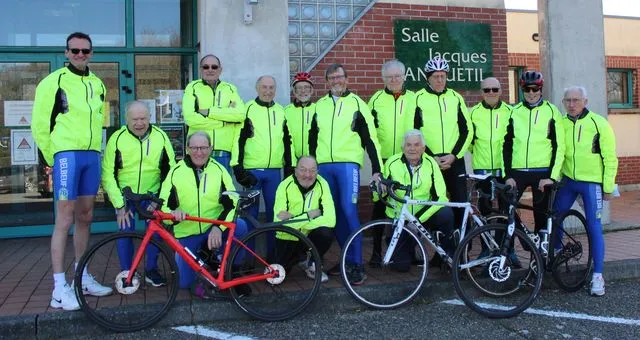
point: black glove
(244, 177)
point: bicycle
(491, 284)
(248, 269)
(403, 292)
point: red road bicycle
(274, 286)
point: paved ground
(26, 279)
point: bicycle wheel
(128, 308)
(572, 264)
(388, 285)
(285, 296)
(485, 287)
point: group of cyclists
(306, 157)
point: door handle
(126, 73)
(127, 90)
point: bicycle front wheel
(133, 307)
(392, 284)
(298, 264)
(487, 287)
(572, 264)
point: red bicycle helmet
(531, 78)
(302, 76)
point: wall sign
(466, 46)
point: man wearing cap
(300, 113)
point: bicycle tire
(486, 289)
(570, 268)
(274, 301)
(387, 287)
(130, 311)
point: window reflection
(169, 26)
(50, 21)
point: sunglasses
(84, 51)
(213, 67)
(492, 89)
(531, 89)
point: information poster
(17, 112)
(23, 148)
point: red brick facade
(369, 43)
(628, 170)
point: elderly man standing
(306, 196)
(534, 145)
(67, 127)
(264, 146)
(489, 118)
(300, 113)
(137, 156)
(441, 115)
(393, 109)
(589, 169)
(341, 130)
(213, 106)
(422, 172)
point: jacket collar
(301, 188)
(298, 103)
(77, 72)
(432, 91)
(387, 91)
(214, 86)
(145, 136)
(261, 103)
(346, 93)
(532, 106)
(189, 163)
(487, 106)
(582, 114)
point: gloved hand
(244, 177)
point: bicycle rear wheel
(388, 285)
(487, 288)
(572, 264)
(287, 295)
(128, 308)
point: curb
(333, 300)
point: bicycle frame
(155, 227)
(406, 216)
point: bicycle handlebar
(151, 212)
(392, 186)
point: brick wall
(628, 170)
(369, 43)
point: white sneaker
(91, 287)
(311, 273)
(597, 286)
(65, 298)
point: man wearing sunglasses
(215, 107)
(67, 127)
(533, 149)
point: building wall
(621, 50)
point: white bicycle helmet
(436, 64)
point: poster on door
(23, 148)
(17, 112)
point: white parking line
(579, 316)
(210, 333)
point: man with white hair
(392, 109)
(415, 168)
(138, 156)
(589, 168)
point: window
(515, 93)
(619, 88)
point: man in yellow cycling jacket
(342, 129)
(67, 127)
(589, 169)
(393, 109)
(263, 148)
(214, 106)
(194, 187)
(533, 149)
(415, 168)
(441, 115)
(138, 156)
(306, 196)
(299, 114)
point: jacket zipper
(90, 112)
(395, 119)
(441, 122)
(526, 159)
(140, 167)
(491, 136)
(574, 148)
(270, 139)
(333, 118)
